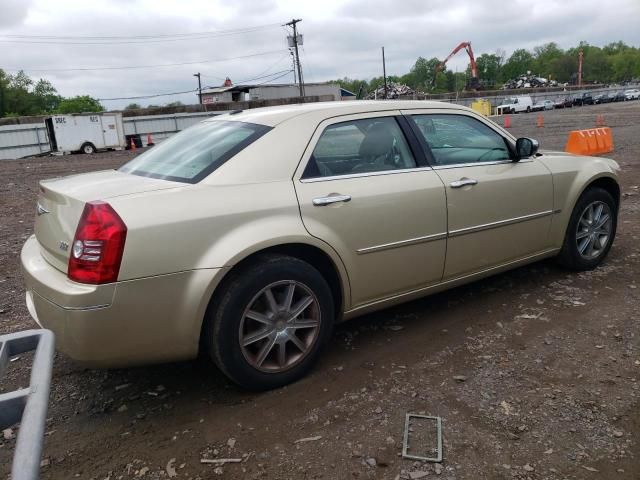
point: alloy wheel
(593, 231)
(280, 326)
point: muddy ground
(535, 373)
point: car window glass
(194, 153)
(459, 139)
(360, 146)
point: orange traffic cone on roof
(150, 141)
(507, 121)
(540, 121)
(133, 144)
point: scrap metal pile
(394, 90)
(528, 81)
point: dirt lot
(547, 365)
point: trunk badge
(40, 210)
(64, 246)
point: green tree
(79, 104)
(133, 106)
(520, 62)
(424, 72)
(46, 96)
(545, 56)
(488, 68)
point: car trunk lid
(61, 202)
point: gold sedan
(251, 234)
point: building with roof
(273, 91)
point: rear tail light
(98, 245)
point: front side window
(194, 153)
(460, 139)
(360, 146)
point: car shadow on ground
(417, 326)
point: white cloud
(342, 38)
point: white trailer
(85, 132)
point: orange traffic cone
(600, 121)
(150, 141)
(540, 121)
(507, 121)
(133, 144)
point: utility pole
(580, 58)
(199, 88)
(384, 74)
(293, 64)
(293, 24)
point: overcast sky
(341, 38)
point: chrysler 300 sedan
(249, 235)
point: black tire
(528, 109)
(569, 256)
(223, 320)
(88, 148)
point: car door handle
(322, 201)
(463, 182)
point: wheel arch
(606, 183)
(605, 180)
(322, 258)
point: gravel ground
(534, 372)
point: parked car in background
(251, 234)
(546, 104)
(520, 104)
(632, 94)
(620, 97)
(584, 99)
(605, 97)
(563, 102)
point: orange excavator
(474, 81)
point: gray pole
(199, 88)
(293, 23)
(384, 74)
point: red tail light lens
(98, 246)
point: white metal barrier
(18, 141)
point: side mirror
(526, 147)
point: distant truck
(516, 105)
(85, 132)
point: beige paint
(398, 238)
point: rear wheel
(268, 324)
(88, 148)
(590, 232)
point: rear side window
(360, 146)
(191, 155)
(460, 139)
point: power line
(52, 40)
(147, 96)
(108, 37)
(141, 97)
(263, 76)
(131, 67)
(276, 78)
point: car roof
(272, 116)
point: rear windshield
(192, 154)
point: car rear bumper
(148, 320)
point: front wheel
(591, 230)
(268, 324)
